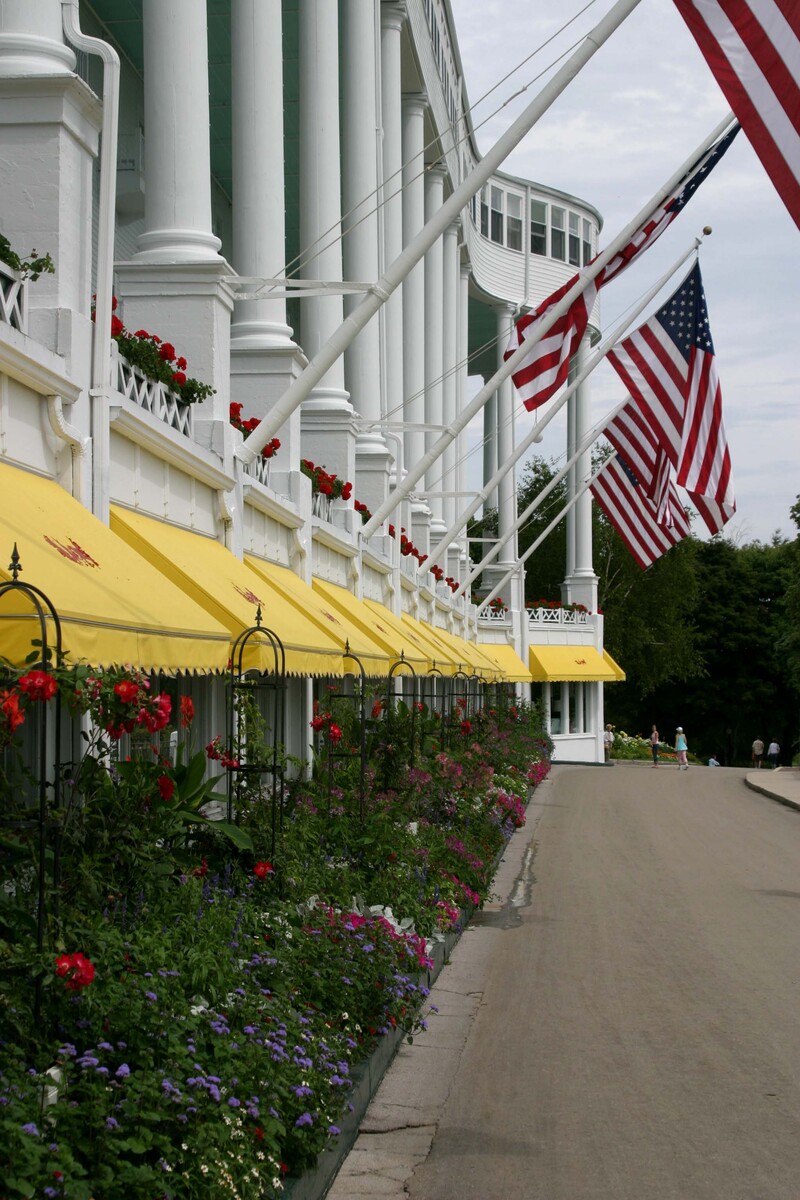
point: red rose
(127, 690)
(335, 733)
(38, 685)
(262, 869)
(76, 969)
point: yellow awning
(331, 621)
(509, 662)
(416, 651)
(115, 610)
(442, 655)
(569, 664)
(222, 584)
(356, 613)
(476, 659)
(619, 674)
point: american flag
(543, 373)
(620, 494)
(669, 368)
(753, 48)
(634, 438)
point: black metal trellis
(252, 762)
(44, 823)
(396, 668)
(334, 753)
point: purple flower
(122, 1071)
(334, 1130)
(234, 1103)
(305, 1119)
(112, 1123)
(31, 1129)
(151, 996)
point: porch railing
(151, 395)
(558, 616)
(13, 299)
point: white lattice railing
(154, 397)
(259, 469)
(494, 614)
(558, 616)
(321, 506)
(13, 299)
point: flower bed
(204, 1005)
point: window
(514, 221)
(558, 243)
(538, 227)
(574, 240)
(485, 210)
(587, 242)
(497, 215)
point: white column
(257, 148)
(31, 39)
(450, 367)
(459, 568)
(327, 416)
(581, 582)
(414, 284)
(434, 356)
(177, 204)
(393, 14)
(360, 152)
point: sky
(632, 116)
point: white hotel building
(178, 154)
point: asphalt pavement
(620, 1022)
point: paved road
(622, 1023)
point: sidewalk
(782, 784)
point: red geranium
(167, 351)
(179, 377)
(9, 706)
(263, 868)
(187, 711)
(334, 733)
(166, 787)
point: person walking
(608, 741)
(654, 746)
(773, 754)
(681, 746)
(758, 753)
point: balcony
(150, 394)
(559, 618)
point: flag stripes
(753, 49)
(669, 368)
(635, 517)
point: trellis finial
(15, 566)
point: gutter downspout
(100, 385)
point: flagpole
(380, 292)
(535, 433)
(543, 327)
(545, 534)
